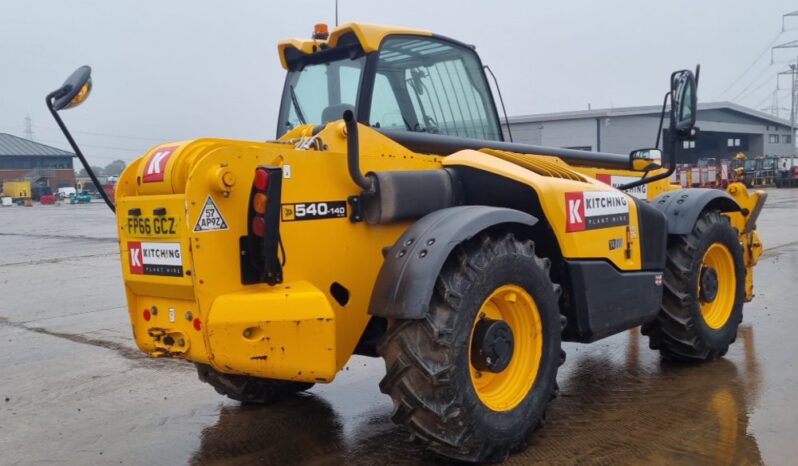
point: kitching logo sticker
(587, 210)
(210, 218)
(640, 192)
(156, 164)
(152, 258)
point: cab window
(433, 86)
(320, 93)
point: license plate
(152, 226)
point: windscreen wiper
(295, 102)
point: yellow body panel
(580, 244)
(319, 253)
(284, 332)
(370, 37)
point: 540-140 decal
(313, 210)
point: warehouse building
(42, 165)
(725, 130)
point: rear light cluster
(260, 186)
(260, 257)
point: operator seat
(335, 112)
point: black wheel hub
(709, 284)
(492, 345)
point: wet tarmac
(74, 390)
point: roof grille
(543, 165)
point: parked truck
(17, 190)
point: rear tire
(248, 389)
(430, 371)
(690, 326)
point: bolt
(481, 315)
(430, 242)
(181, 342)
(189, 315)
(478, 374)
(247, 333)
(226, 194)
(154, 310)
(423, 253)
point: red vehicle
(109, 189)
(787, 178)
(47, 199)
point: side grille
(541, 164)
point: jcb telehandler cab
(390, 218)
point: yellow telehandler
(390, 218)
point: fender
(407, 278)
(683, 206)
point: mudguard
(683, 206)
(407, 278)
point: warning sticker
(153, 258)
(210, 218)
(640, 192)
(586, 210)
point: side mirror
(684, 102)
(74, 91)
(643, 160)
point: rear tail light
(258, 226)
(260, 261)
(261, 181)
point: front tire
(702, 303)
(459, 402)
(248, 389)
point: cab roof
(369, 36)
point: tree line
(112, 169)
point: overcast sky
(169, 70)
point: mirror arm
(49, 100)
(662, 118)
(643, 181)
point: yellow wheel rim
(716, 311)
(504, 390)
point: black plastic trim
(407, 278)
(683, 206)
(653, 235)
(605, 301)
